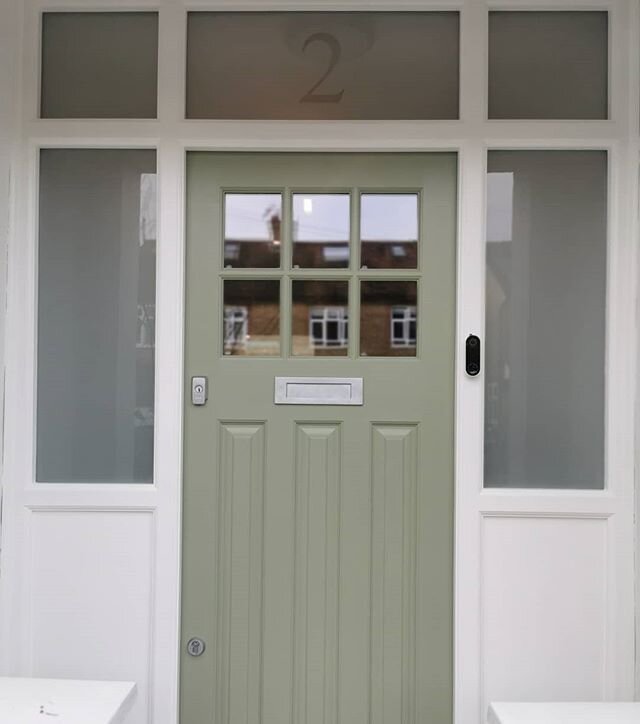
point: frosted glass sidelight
(546, 262)
(549, 65)
(99, 65)
(96, 316)
(315, 65)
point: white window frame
(471, 137)
(408, 314)
(322, 315)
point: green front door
(318, 507)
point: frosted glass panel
(305, 65)
(99, 65)
(96, 316)
(545, 319)
(548, 64)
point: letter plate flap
(318, 391)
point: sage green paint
(318, 540)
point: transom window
(326, 65)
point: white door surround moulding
(128, 509)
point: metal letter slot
(319, 391)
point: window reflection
(389, 231)
(320, 318)
(388, 318)
(252, 230)
(403, 326)
(251, 317)
(321, 230)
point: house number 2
(335, 51)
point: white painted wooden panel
(544, 608)
(91, 578)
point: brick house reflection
(320, 308)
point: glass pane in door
(251, 317)
(320, 318)
(389, 231)
(388, 318)
(252, 230)
(321, 230)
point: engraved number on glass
(322, 65)
(335, 51)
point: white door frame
(158, 506)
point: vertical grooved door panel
(393, 588)
(240, 579)
(317, 542)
